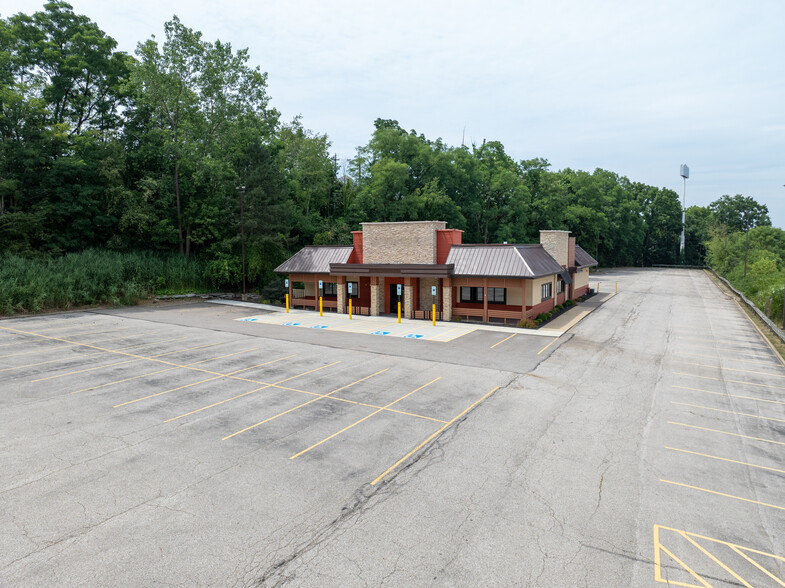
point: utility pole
(684, 171)
(241, 190)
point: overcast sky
(631, 86)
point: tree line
(169, 149)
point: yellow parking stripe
(265, 385)
(724, 494)
(200, 381)
(729, 381)
(752, 465)
(730, 395)
(185, 366)
(727, 369)
(503, 340)
(280, 414)
(760, 362)
(548, 345)
(691, 537)
(434, 435)
(365, 418)
(754, 416)
(100, 367)
(77, 357)
(715, 560)
(754, 354)
(62, 346)
(727, 433)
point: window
(330, 288)
(497, 295)
(471, 294)
(474, 295)
(560, 286)
(355, 287)
(547, 291)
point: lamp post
(684, 172)
(241, 191)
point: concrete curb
(583, 309)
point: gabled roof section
(315, 259)
(507, 261)
(583, 259)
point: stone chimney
(557, 243)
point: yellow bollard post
(433, 314)
(616, 291)
(399, 312)
(320, 306)
(287, 302)
(350, 309)
(598, 288)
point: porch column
(291, 291)
(447, 299)
(316, 294)
(376, 296)
(555, 295)
(485, 300)
(341, 301)
(408, 298)
(524, 314)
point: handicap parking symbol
(250, 320)
(319, 327)
(291, 324)
(380, 333)
(412, 336)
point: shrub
(92, 277)
(527, 324)
(456, 319)
(541, 317)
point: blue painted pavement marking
(412, 336)
(249, 320)
(318, 327)
(291, 324)
(380, 333)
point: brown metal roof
(315, 259)
(510, 261)
(583, 259)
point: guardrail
(751, 305)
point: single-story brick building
(480, 282)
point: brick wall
(426, 300)
(404, 242)
(445, 239)
(557, 243)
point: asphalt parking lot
(182, 445)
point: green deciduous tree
(203, 104)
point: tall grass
(94, 277)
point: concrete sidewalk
(443, 331)
(569, 318)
